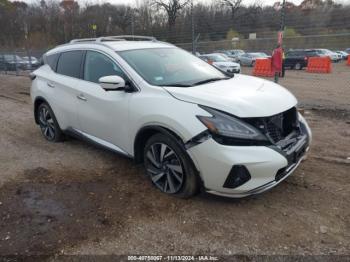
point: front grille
(277, 127)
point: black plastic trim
(236, 171)
(299, 146)
(228, 141)
(73, 133)
(198, 139)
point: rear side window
(51, 60)
(69, 63)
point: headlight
(228, 126)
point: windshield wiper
(210, 80)
(177, 85)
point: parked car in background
(234, 54)
(325, 52)
(221, 62)
(228, 57)
(298, 58)
(226, 53)
(344, 55)
(347, 50)
(31, 62)
(10, 62)
(248, 59)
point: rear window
(296, 53)
(69, 63)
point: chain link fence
(340, 41)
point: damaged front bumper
(267, 165)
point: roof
(116, 43)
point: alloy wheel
(46, 123)
(164, 167)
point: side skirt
(96, 141)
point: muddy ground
(74, 198)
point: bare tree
(172, 9)
(233, 5)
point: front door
(103, 115)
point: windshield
(170, 66)
(239, 52)
(255, 55)
(263, 55)
(321, 51)
(218, 58)
(12, 58)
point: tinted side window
(98, 65)
(311, 53)
(51, 60)
(69, 63)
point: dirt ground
(74, 198)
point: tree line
(49, 22)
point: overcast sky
(133, 2)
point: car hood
(242, 96)
(227, 64)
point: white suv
(192, 126)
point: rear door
(63, 86)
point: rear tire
(169, 167)
(48, 123)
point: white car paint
(114, 118)
(242, 96)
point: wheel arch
(145, 133)
(37, 102)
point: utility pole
(283, 15)
(132, 22)
(283, 23)
(192, 29)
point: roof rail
(83, 40)
(114, 38)
(125, 37)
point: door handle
(50, 85)
(81, 97)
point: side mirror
(110, 83)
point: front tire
(48, 123)
(298, 66)
(169, 167)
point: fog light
(238, 176)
